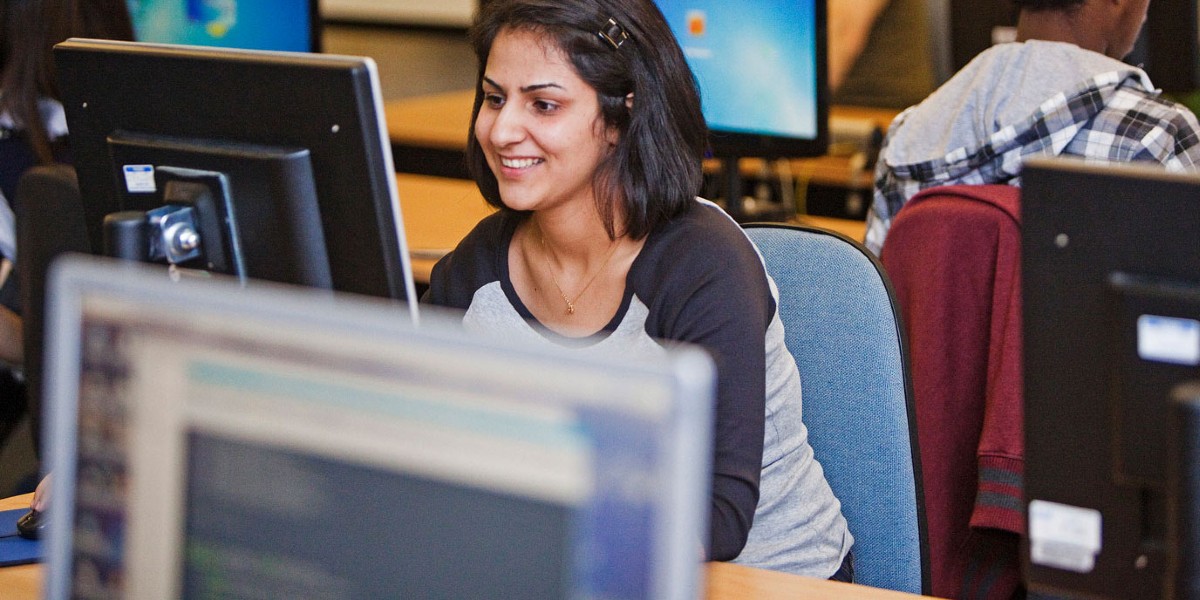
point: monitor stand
(732, 174)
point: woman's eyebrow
(525, 89)
(541, 86)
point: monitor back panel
(1111, 292)
(329, 105)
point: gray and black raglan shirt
(698, 280)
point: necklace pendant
(570, 308)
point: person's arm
(849, 26)
(731, 325)
(720, 300)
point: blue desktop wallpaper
(756, 62)
(253, 24)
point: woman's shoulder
(703, 243)
(704, 230)
(698, 265)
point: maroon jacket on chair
(953, 255)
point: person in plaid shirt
(1059, 90)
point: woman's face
(539, 125)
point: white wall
(444, 13)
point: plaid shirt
(1116, 116)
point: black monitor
(261, 165)
(290, 25)
(1111, 291)
(761, 70)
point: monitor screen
(291, 25)
(283, 443)
(1111, 292)
(260, 165)
(761, 70)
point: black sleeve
(719, 299)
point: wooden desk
(440, 211)
(429, 133)
(437, 213)
(725, 581)
(850, 228)
(24, 581)
(435, 121)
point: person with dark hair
(1059, 90)
(33, 131)
(587, 135)
(31, 117)
(33, 126)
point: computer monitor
(761, 70)
(256, 164)
(1111, 292)
(291, 25)
(217, 441)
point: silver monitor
(209, 439)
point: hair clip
(613, 33)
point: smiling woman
(587, 134)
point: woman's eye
(493, 100)
(544, 106)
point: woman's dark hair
(1046, 4)
(29, 29)
(654, 170)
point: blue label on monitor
(139, 179)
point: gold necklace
(550, 269)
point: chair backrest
(49, 223)
(842, 327)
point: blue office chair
(844, 330)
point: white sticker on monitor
(1063, 536)
(1169, 339)
(139, 178)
